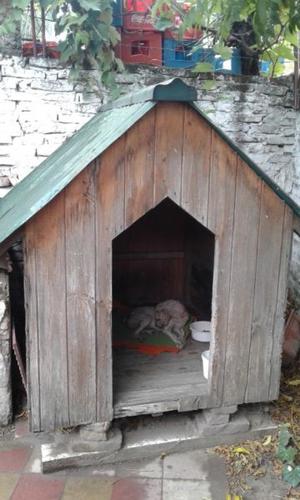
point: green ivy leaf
(224, 52)
(203, 67)
(286, 455)
(19, 4)
(286, 53)
(162, 23)
(81, 38)
(209, 84)
(284, 436)
(90, 4)
(291, 475)
(106, 17)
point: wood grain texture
(80, 290)
(32, 334)
(139, 168)
(150, 384)
(242, 282)
(286, 246)
(51, 303)
(109, 223)
(265, 295)
(296, 224)
(220, 222)
(168, 151)
(196, 165)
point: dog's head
(162, 317)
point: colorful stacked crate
(182, 53)
(117, 13)
(140, 42)
(137, 15)
(139, 47)
(232, 66)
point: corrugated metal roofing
(57, 171)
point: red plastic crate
(51, 49)
(137, 15)
(189, 34)
(141, 48)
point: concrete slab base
(152, 437)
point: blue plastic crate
(264, 66)
(232, 66)
(180, 54)
(117, 6)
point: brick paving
(196, 475)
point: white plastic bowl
(201, 331)
(205, 363)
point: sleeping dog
(169, 317)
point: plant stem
(33, 32)
(44, 48)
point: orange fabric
(152, 350)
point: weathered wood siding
(171, 152)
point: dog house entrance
(162, 269)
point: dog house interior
(165, 255)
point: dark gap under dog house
(149, 160)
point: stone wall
(39, 109)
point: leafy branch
(287, 452)
(84, 28)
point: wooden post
(44, 47)
(32, 17)
(5, 349)
(297, 76)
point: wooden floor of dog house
(146, 384)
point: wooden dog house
(149, 188)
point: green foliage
(286, 453)
(90, 37)
(203, 67)
(291, 475)
(275, 24)
(87, 35)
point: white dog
(169, 317)
(141, 318)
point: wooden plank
(286, 246)
(241, 295)
(265, 295)
(109, 223)
(32, 333)
(168, 151)
(13, 238)
(139, 168)
(182, 398)
(220, 222)
(80, 288)
(150, 384)
(196, 165)
(51, 297)
(296, 224)
(149, 255)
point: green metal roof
(174, 90)
(56, 172)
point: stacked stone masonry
(40, 109)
